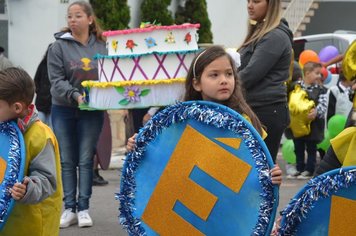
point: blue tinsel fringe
(317, 188)
(13, 168)
(217, 116)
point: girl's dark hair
(16, 85)
(237, 101)
(94, 27)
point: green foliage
(156, 11)
(112, 14)
(195, 11)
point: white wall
(229, 21)
(32, 24)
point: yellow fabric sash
(344, 146)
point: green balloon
(336, 124)
(288, 151)
(325, 144)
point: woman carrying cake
(69, 63)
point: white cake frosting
(144, 67)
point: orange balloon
(308, 56)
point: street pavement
(104, 207)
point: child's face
(313, 77)
(217, 82)
(78, 20)
(7, 112)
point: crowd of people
(259, 90)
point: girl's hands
(146, 118)
(276, 174)
(131, 143)
(18, 191)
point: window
(2, 6)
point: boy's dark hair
(16, 85)
(310, 66)
(237, 101)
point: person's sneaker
(84, 219)
(68, 218)
(294, 175)
(305, 175)
(98, 180)
(291, 169)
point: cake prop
(144, 67)
(12, 163)
(198, 168)
(326, 205)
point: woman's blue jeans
(77, 132)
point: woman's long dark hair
(237, 101)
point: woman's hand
(81, 100)
(131, 143)
(276, 175)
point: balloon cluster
(335, 125)
(326, 54)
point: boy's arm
(329, 162)
(322, 106)
(331, 106)
(42, 175)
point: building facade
(27, 26)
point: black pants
(300, 146)
(275, 118)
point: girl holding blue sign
(39, 194)
(213, 77)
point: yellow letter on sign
(193, 149)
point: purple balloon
(327, 53)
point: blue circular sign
(199, 168)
